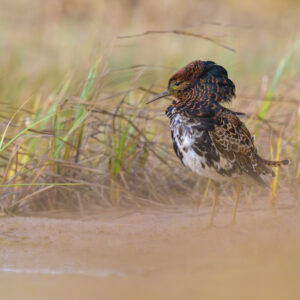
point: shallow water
(151, 254)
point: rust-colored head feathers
(201, 81)
(199, 88)
(189, 73)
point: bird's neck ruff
(195, 108)
(205, 86)
(202, 99)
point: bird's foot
(231, 224)
(210, 226)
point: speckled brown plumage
(207, 137)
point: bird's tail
(271, 163)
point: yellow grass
(73, 97)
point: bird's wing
(235, 143)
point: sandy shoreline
(151, 254)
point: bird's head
(202, 80)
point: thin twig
(179, 32)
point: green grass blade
(76, 124)
(25, 130)
(280, 69)
(9, 122)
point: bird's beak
(161, 95)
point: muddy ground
(152, 254)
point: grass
(84, 136)
(283, 63)
(275, 178)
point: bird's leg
(250, 200)
(236, 201)
(215, 202)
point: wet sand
(152, 254)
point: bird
(209, 138)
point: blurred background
(93, 200)
(76, 75)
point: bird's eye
(177, 83)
